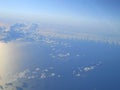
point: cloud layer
(20, 80)
(35, 32)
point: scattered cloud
(20, 80)
(37, 69)
(35, 32)
(52, 74)
(43, 76)
(25, 32)
(79, 71)
(61, 55)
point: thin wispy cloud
(21, 31)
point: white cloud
(82, 70)
(46, 70)
(37, 69)
(78, 74)
(59, 76)
(86, 69)
(62, 55)
(52, 74)
(23, 74)
(21, 31)
(43, 76)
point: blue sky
(77, 12)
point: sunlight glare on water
(10, 55)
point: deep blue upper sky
(76, 12)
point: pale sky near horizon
(91, 13)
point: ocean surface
(60, 64)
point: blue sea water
(60, 64)
(65, 58)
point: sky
(62, 11)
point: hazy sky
(77, 12)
